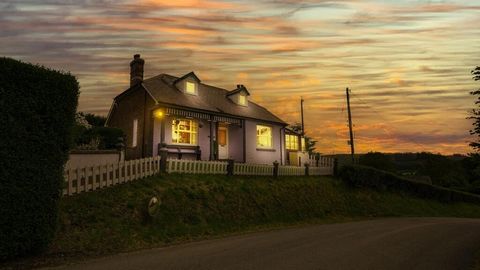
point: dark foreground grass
(476, 262)
(113, 220)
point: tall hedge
(37, 109)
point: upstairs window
(184, 131)
(291, 142)
(191, 88)
(264, 137)
(242, 100)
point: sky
(406, 62)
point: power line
(385, 120)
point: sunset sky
(407, 62)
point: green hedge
(361, 176)
(37, 108)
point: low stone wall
(84, 158)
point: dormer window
(239, 95)
(188, 84)
(191, 88)
(242, 100)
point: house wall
(128, 107)
(263, 156)
(235, 141)
(84, 158)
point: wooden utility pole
(352, 146)
(301, 108)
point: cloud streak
(407, 61)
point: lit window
(222, 136)
(291, 142)
(264, 136)
(191, 88)
(184, 131)
(134, 132)
(242, 100)
(304, 148)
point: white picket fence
(94, 177)
(89, 178)
(252, 169)
(196, 166)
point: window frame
(194, 85)
(289, 143)
(135, 132)
(270, 135)
(193, 131)
(244, 99)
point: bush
(361, 176)
(377, 160)
(37, 108)
(108, 137)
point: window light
(191, 88)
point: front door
(222, 138)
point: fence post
(163, 157)
(275, 169)
(307, 169)
(230, 166)
(335, 166)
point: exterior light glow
(158, 114)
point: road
(395, 243)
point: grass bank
(195, 207)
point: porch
(193, 135)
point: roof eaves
(150, 93)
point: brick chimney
(136, 70)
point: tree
(94, 120)
(378, 160)
(309, 141)
(475, 113)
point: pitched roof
(209, 98)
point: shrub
(37, 108)
(361, 176)
(377, 160)
(108, 137)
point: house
(193, 120)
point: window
(304, 148)
(291, 142)
(242, 100)
(191, 88)
(264, 136)
(134, 133)
(184, 131)
(222, 136)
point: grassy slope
(194, 207)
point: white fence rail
(252, 169)
(89, 178)
(196, 166)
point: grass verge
(193, 207)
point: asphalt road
(396, 243)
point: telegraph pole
(352, 146)
(301, 108)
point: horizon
(408, 63)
